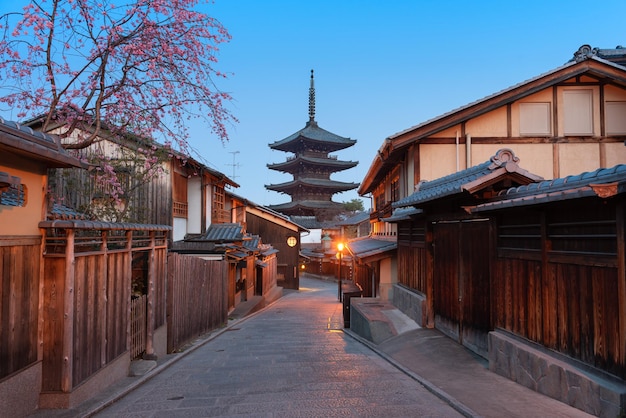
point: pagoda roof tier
(313, 137)
(306, 206)
(327, 185)
(331, 164)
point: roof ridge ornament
(503, 158)
(312, 100)
(585, 52)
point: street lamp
(339, 255)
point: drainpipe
(468, 151)
(457, 149)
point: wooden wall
(19, 302)
(559, 284)
(275, 234)
(556, 276)
(196, 298)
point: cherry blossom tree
(145, 68)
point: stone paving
(289, 360)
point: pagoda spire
(312, 100)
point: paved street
(289, 360)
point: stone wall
(410, 303)
(556, 376)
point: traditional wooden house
(278, 230)
(526, 273)
(62, 341)
(179, 191)
(559, 123)
(25, 156)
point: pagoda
(311, 189)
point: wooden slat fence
(196, 298)
(87, 294)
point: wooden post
(151, 295)
(621, 280)
(67, 366)
(129, 266)
(102, 311)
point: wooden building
(279, 231)
(529, 274)
(25, 156)
(311, 166)
(178, 191)
(561, 123)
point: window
(534, 119)
(577, 112)
(395, 189)
(615, 114)
(379, 201)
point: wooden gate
(462, 281)
(138, 326)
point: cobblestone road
(289, 360)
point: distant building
(311, 189)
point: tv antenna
(234, 165)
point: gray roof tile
(564, 188)
(460, 181)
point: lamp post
(339, 255)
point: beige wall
(535, 158)
(578, 158)
(24, 220)
(490, 124)
(439, 160)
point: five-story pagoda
(311, 189)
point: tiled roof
(307, 204)
(368, 247)
(571, 187)
(314, 182)
(313, 132)
(333, 163)
(402, 214)
(252, 242)
(226, 232)
(309, 222)
(503, 163)
(616, 55)
(355, 219)
(503, 92)
(59, 211)
(34, 145)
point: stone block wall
(556, 376)
(410, 303)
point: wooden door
(461, 281)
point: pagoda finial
(312, 100)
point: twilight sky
(380, 67)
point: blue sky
(380, 67)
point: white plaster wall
(179, 229)
(194, 205)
